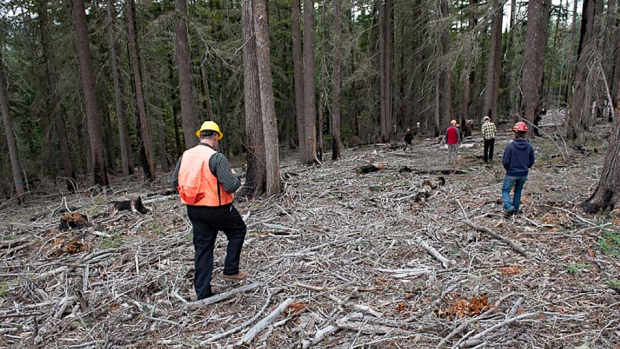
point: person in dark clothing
(488, 135)
(408, 138)
(206, 184)
(518, 159)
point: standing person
(488, 136)
(206, 184)
(518, 159)
(408, 138)
(453, 139)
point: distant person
(206, 184)
(488, 136)
(408, 138)
(518, 159)
(452, 140)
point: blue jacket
(518, 157)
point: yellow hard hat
(212, 126)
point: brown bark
(470, 72)
(616, 68)
(256, 173)
(607, 193)
(309, 90)
(87, 79)
(206, 95)
(335, 117)
(445, 91)
(581, 100)
(134, 56)
(534, 60)
(493, 66)
(298, 74)
(119, 101)
(8, 131)
(386, 72)
(190, 120)
(270, 125)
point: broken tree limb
(325, 331)
(475, 340)
(445, 262)
(222, 296)
(249, 336)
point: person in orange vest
(452, 139)
(206, 183)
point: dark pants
(488, 149)
(206, 222)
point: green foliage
(614, 283)
(4, 289)
(113, 241)
(609, 243)
(576, 268)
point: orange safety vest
(197, 185)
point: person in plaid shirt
(488, 135)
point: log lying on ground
(377, 166)
(249, 336)
(134, 205)
(445, 262)
(222, 296)
(513, 245)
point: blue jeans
(509, 183)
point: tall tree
(494, 63)
(386, 72)
(190, 119)
(335, 117)
(256, 171)
(309, 89)
(534, 60)
(443, 79)
(87, 79)
(469, 69)
(52, 102)
(120, 106)
(134, 56)
(607, 193)
(581, 101)
(616, 65)
(270, 125)
(8, 131)
(298, 74)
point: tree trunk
(145, 133)
(87, 79)
(493, 66)
(206, 95)
(335, 117)
(119, 101)
(445, 92)
(52, 106)
(607, 193)
(8, 131)
(386, 73)
(534, 60)
(581, 101)
(309, 92)
(190, 120)
(270, 125)
(256, 172)
(470, 69)
(298, 74)
(616, 67)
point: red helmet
(520, 127)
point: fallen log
(134, 205)
(222, 296)
(249, 336)
(377, 166)
(445, 262)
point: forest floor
(337, 260)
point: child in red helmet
(518, 159)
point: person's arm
(174, 178)
(532, 158)
(506, 159)
(458, 136)
(220, 167)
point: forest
(352, 241)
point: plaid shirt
(488, 130)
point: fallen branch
(249, 336)
(325, 331)
(222, 296)
(445, 262)
(475, 340)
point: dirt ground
(341, 259)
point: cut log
(134, 205)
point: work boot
(239, 276)
(509, 213)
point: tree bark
(206, 94)
(607, 193)
(87, 79)
(386, 73)
(581, 101)
(8, 131)
(616, 67)
(119, 101)
(335, 117)
(309, 91)
(445, 92)
(470, 71)
(190, 120)
(270, 125)
(493, 66)
(256, 172)
(134, 56)
(298, 75)
(534, 60)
